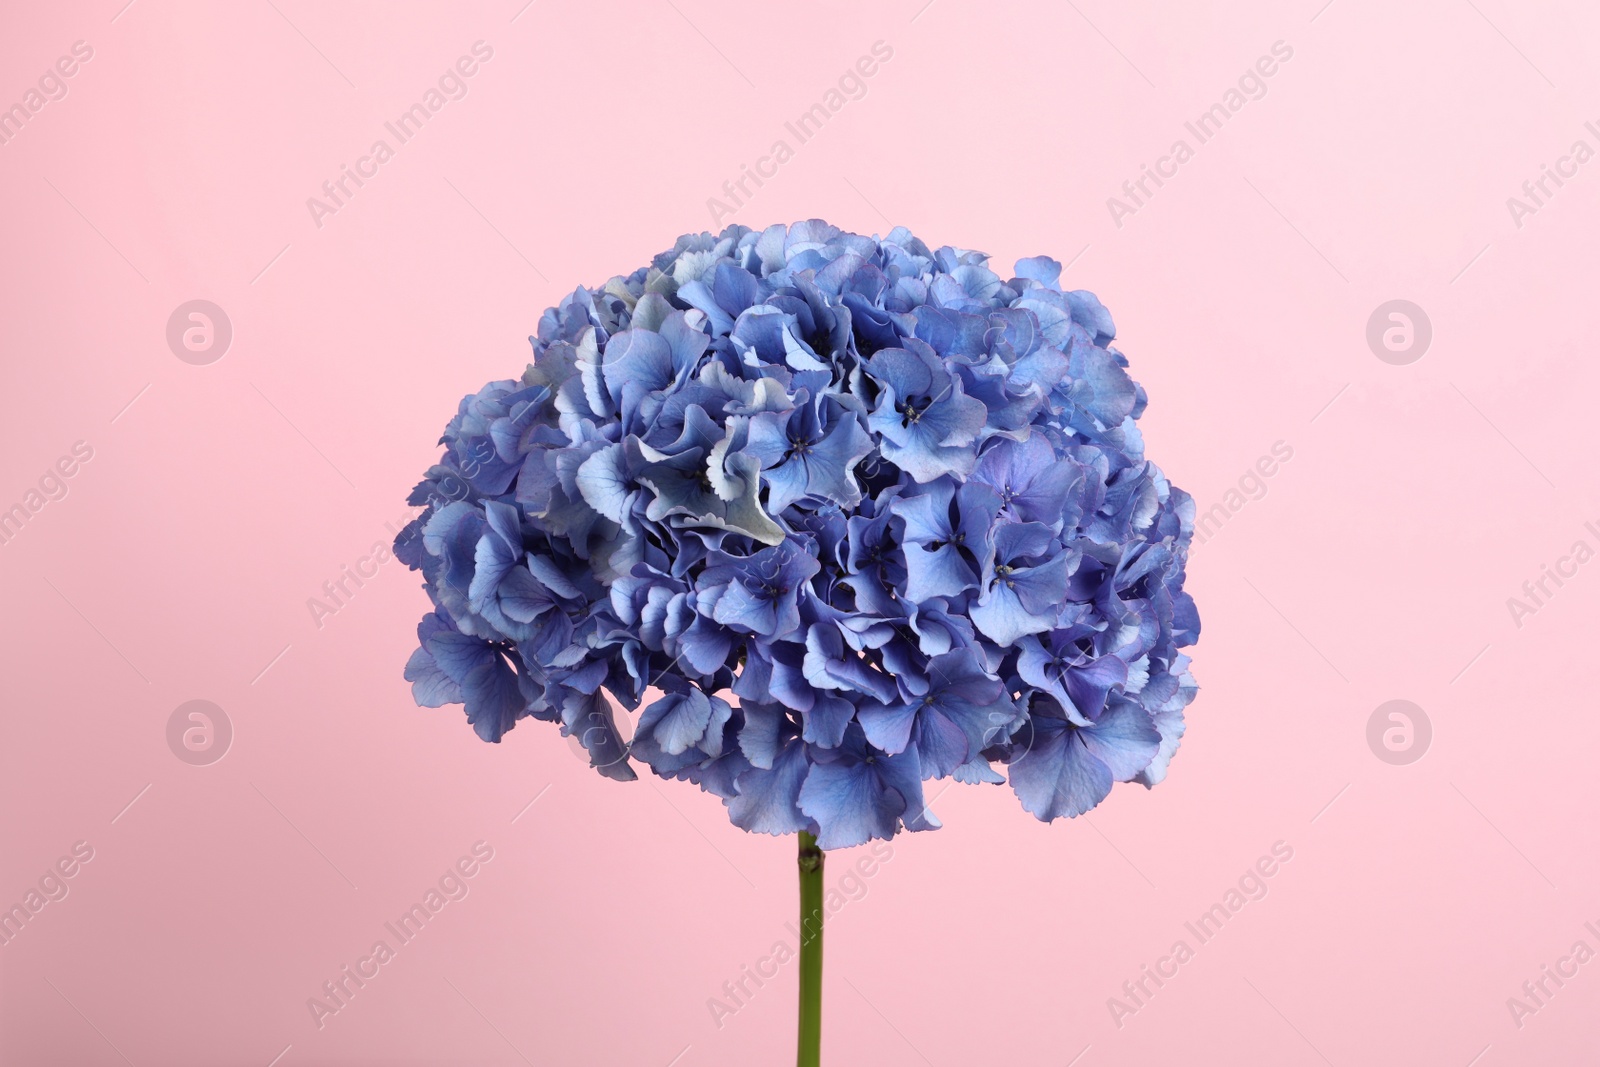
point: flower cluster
(861, 513)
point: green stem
(810, 952)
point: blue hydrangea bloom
(850, 513)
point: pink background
(1376, 567)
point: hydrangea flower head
(841, 514)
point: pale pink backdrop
(219, 498)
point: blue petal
(677, 721)
(457, 655)
(765, 728)
(639, 356)
(786, 483)
(493, 559)
(430, 686)
(603, 481)
(942, 744)
(741, 608)
(552, 577)
(850, 804)
(888, 726)
(1087, 686)
(1003, 619)
(1058, 776)
(705, 645)
(1124, 739)
(493, 698)
(938, 573)
(590, 719)
(927, 515)
(769, 800)
(826, 721)
(1041, 269)
(977, 771)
